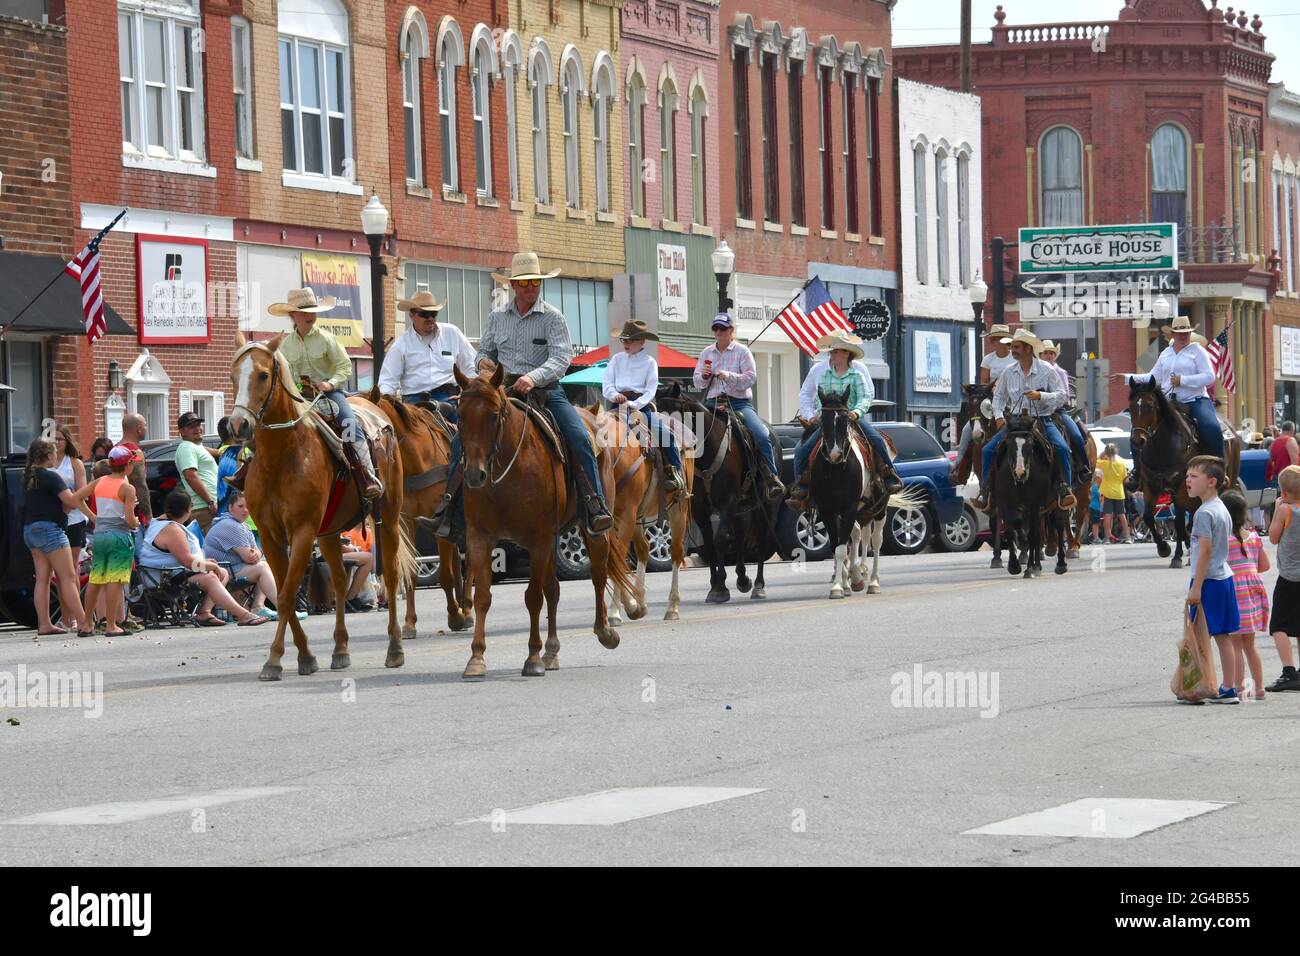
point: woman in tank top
(73, 472)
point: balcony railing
(1052, 33)
(1216, 242)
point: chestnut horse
(289, 483)
(425, 451)
(515, 489)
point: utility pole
(965, 46)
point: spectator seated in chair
(231, 544)
(358, 554)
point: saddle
(1081, 465)
(378, 434)
(534, 406)
(873, 481)
(749, 495)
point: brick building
(1282, 160)
(1157, 115)
(806, 176)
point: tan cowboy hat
(423, 301)
(525, 265)
(635, 329)
(998, 329)
(1048, 346)
(1182, 324)
(302, 300)
(842, 339)
(1024, 335)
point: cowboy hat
(525, 265)
(302, 300)
(1182, 324)
(1048, 346)
(422, 301)
(998, 329)
(841, 339)
(1024, 335)
(635, 329)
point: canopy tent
(668, 357)
(58, 311)
(595, 375)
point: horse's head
(1144, 406)
(482, 409)
(256, 371)
(978, 399)
(835, 425)
(1019, 441)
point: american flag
(812, 314)
(85, 269)
(1221, 359)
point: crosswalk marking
(609, 807)
(101, 814)
(1100, 818)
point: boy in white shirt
(631, 381)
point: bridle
(270, 393)
(825, 449)
(501, 413)
(1145, 402)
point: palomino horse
(515, 488)
(290, 484)
(425, 451)
(1164, 441)
(849, 498)
(720, 472)
(637, 505)
(1024, 492)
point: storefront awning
(668, 357)
(58, 311)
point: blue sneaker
(1226, 695)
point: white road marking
(1100, 818)
(100, 814)
(609, 807)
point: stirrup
(599, 520)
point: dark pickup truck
(17, 573)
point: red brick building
(806, 171)
(1157, 115)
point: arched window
(512, 59)
(451, 54)
(699, 114)
(572, 89)
(636, 142)
(668, 147)
(963, 219)
(480, 80)
(602, 103)
(919, 213)
(1235, 188)
(415, 46)
(1169, 175)
(1061, 178)
(539, 78)
(941, 214)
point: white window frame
(241, 41)
(699, 107)
(668, 149)
(324, 49)
(963, 219)
(571, 90)
(919, 174)
(175, 16)
(636, 99)
(482, 107)
(602, 105)
(411, 104)
(941, 231)
(447, 118)
(511, 61)
(539, 78)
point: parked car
(160, 467)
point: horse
(717, 485)
(639, 502)
(426, 451)
(515, 488)
(292, 495)
(1024, 493)
(979, 411)
(849, 498)
(1165, 441)
(1082, 491)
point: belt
(426, 396)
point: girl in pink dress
(1248, 559)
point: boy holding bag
(1212, 592)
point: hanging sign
(870, 318)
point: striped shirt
(536, 344)
(225, 535)
(833, 383)
(1064, 376)
(1015, 382)
(737, 361)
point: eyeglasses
(426, 315)
(526, 282)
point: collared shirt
(1191, 365)
(1064, 376)
(736, 360)
(422, 363)
(536, 344)
(631, 373)
(318, 356)
(192, 454)
(810, 407)
(1015, 382)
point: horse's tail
(911, 498)
(618, 574)
(407, 565)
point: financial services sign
(1128, 248)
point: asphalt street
(778, 732)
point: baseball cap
(188, 419)
(723, 321)
(120, 455)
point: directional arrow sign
(1052, 284)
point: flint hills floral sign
(1099, 248)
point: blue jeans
(662, 434)
(1207, 425)
(805, 449)
(1075, 435)
(444, 394)
(756, 427)
(1053, 435)
(346, 418)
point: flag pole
(783, 308)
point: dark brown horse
(289, 486)
(1164, 441)
(983, 426)
(515, 489)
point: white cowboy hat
(302, 300)
(525, 265)
(1024, 335)
(1182, 324)
(842, 339)
(424, 301)
(998, 329)
(1048, 346)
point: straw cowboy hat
(841, 339)
(635, 329)
(302, 300)
(997, 330)
(525, 265)
(1182, 324)
(1048, 346)
(1024, 335)
(423, 301)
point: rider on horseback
(1028, 385)
(418, 366)
(727, 369)
(1047, 355)
(842, 369)
(530, 338)
(630, 383)
(991, 368)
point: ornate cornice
(686, 24)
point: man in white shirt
(418, 367)
(631, 381)
(992, 366)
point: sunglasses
(526, 282)
(426, 315)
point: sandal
(255, 620)
(208, 622)
(89, 633)
(57, 630)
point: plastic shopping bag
(1195, 678)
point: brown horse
(1082, 493)
(515, 488)
(426, 450)
(289, 486)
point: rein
(523, 432)
(270, 394)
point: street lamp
(1162, 309)
(978, 293)
(114, 376)
(374, 223)
(724, 263)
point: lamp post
(374, 223)
(1161, 309)
(724, 263)
(978, 293)
(114, 376)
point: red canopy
(668, 357)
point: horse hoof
(462, 623)
(271, 672)
(637, 612)
(718, 596)
(615, 617)
(340, 662)
(1176, 563)
(1062, 568)
(995, 563)
(1072, 554)
(552, 663)
(534, 668)
(1162, 549)
(858, 586)
(672, 616)
(1013, 569)
(1029, 573)
(307, 665)
(837, 592)
(409, 634)
(609, 639)
(475, 669)
(743, 585)
(760, 594)
(395, 659)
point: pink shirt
(736, 360)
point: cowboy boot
(599, 519)
(237, 480)
(981, 503)
(798, 499)
(364, 469)
(449, 517)
(1065, 499)
(672, 479)
(893, 483)
(773, 490)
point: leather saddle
(750, 490)
(1081, 465)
